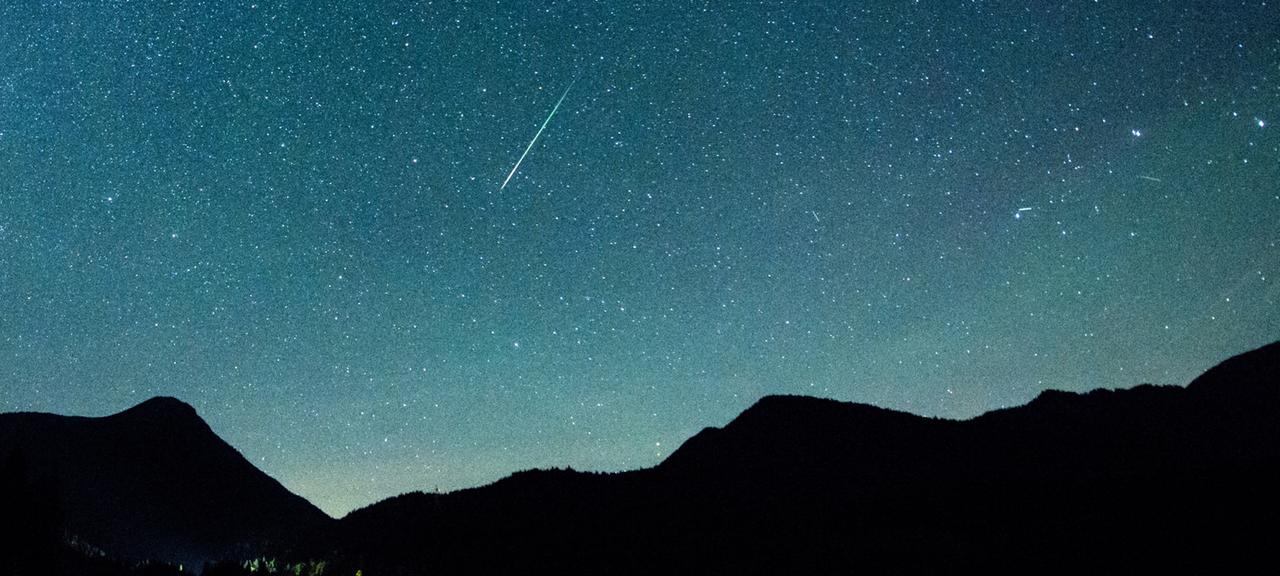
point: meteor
(539, 133)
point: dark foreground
(1177, 478)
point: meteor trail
(1151, 178)
(535, 136)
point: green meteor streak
(535, 136)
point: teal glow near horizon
(292, 216)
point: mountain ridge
(792, 483)
(162, 407)
(837, 484)
(154, 481)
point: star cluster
(288, 214)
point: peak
(791, 401)
(776, 406)
(1253, 372)
(789, 410)
(789, 398)
(797, 405)
(165, 403)
(164, 407)
(1053, 396)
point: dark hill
(1146, 478)
(154, 482)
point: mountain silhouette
(155, 483)
(1152, 477)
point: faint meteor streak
(535, 136)
(1151, 178)
(1026, 209)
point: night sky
(289, 215)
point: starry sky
(289, 215)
